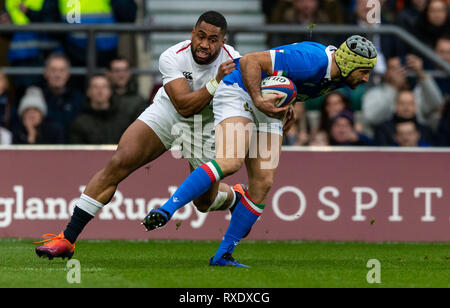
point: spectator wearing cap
(64, 103)
(405, 110)
(342, 131)
(408, 135)
(34, 128)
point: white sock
(234, 198)
(219, 201)
(89, 205)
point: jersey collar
(329, 51)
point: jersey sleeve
(169, 67)
(298, 65)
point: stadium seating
(186, 12)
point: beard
(350, 82)
(207, 59)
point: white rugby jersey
(177, 62)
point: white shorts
(194, 136)
(232, 101)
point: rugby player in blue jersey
(316, 70)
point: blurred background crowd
(406, 102)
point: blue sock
(198, 182)
(244, 217)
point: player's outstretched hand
(224, 69)
(267, 105)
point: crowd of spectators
(406, 102)
(57, 107)
(54, 112)
(403, 104)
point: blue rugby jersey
(307, 64)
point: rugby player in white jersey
(191, 71)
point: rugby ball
(279, 85)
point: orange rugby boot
(56, 246)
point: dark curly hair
(214, 18)
(324, 117)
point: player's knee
(116, 163)
(120, 164)
(230, 166)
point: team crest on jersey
(188, 75)
(247, 107)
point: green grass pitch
(185, 264)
